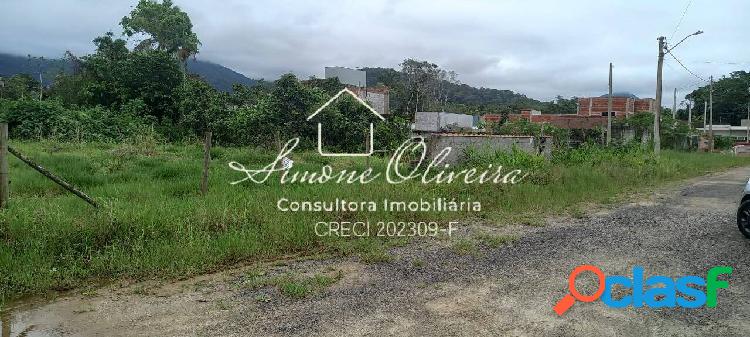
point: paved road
(429, 290)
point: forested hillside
(456, 96)
(220, 77)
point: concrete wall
(357, 78)
(436, 121)
(460, 142)
(377, 97)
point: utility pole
(748, 117)
(657, 110)
(609, 107)
(690, 124)
(674, 105)
(660, 65)
(711, 114)
(705, 120)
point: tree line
(117, 92)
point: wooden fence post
(206, 162)
(4, 193)
(52, 176)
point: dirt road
(430, 290)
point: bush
(516, 158)
(560, 137)
(29, 119)
(631, 154)
(723, 142)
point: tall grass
(154, 224)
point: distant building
(440, 121)
(591, 112)
(621, 106)
(348, 76)
(565, 121)
(737, 132)
(377, 97)
(356, 80)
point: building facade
(439, 121)
(621, 106)
(348, 76)
(591, 113)
(377, 97)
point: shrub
(535, 164)
(560, 137)
(588, 154)
(723, 142)
(28, 119)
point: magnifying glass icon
(566, 302)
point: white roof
(725, 128)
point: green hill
(218, 76)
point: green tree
(731, 98)
(420, 80)
(202, 108)
(19, 86)
(291, 103)
(561, 105)
(168, 28)
(330, 85)
(114, 76)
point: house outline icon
(370, 149)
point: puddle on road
(12, 327)
(18, 321)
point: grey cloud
(538, 48)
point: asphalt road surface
(430, 290)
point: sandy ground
(430, 290)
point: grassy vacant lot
(153, 222)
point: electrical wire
(727, 63)
(690, 86)
(681, 18)
(684, 67)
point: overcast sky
(537, 48)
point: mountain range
(220, 77)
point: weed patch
(153, 223)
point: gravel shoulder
(428, 289)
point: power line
(689, 86)
(728, 63)
(683, 66)
(681, 18)
(691, 82)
